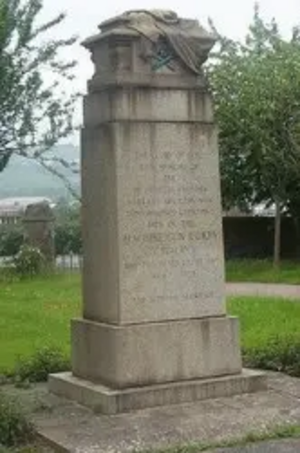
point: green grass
(262, 271)
(264, 318)
(270, 333)
(273, 433)
(35, 314)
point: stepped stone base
(142, 355)
(109, 401)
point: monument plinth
(154, 328)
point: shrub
(28, 262)
(14, 427)
(280, 354)
(40, 365)
(7, 273)
(11, 239)
(68, 239)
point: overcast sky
(230, 16)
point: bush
(11, 239)
(7, 273)
(28, 262)
(40, 365)
(68, 239)
(68, 230)
(14, 427)
(280, 354)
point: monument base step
(109, 401)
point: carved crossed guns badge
(159, 52)
(162, 56)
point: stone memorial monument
(154, 329)
(38, 224)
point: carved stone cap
(38, 212)
(186, 38)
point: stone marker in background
(154, 328)
(39, 230)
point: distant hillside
(25, 177)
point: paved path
(263, 289)
(75, 429)
(281, 446)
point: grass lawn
(262, 271)
(265, 318)
(37, 313)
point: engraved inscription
(170, 237)
(170, 230)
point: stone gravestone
(39, 229)
(154, 329)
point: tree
(256, 85)
(35, 110)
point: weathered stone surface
(151, 41)
(151, 353)
(147, 104)
(39, 229)
(151, 190)
(154, 323)
(75, 428)
(160, 246)
(110, 401)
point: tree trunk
(277, 235)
